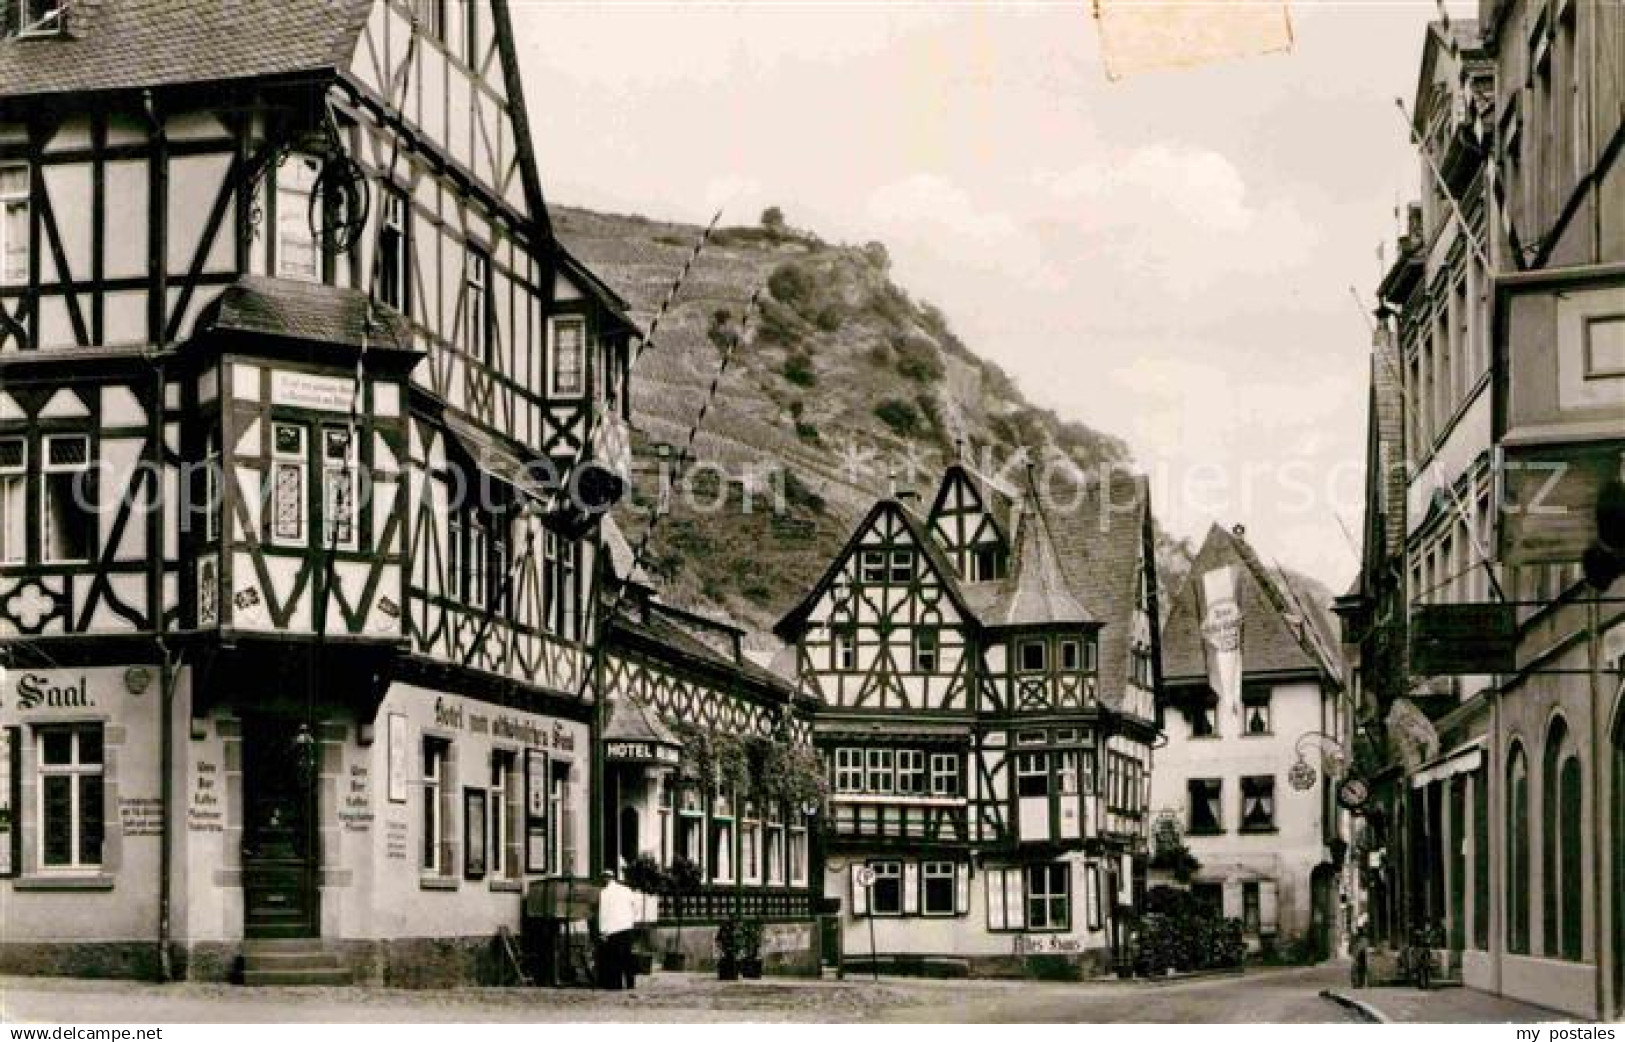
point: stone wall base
(96, 959)
(1083, 966)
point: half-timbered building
(986, 670)
(292, 372)
(678, 687)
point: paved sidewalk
(1405, 1005)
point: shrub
(798, 369)
(830, 317)
(919, 361)
(877, 255)
(900, 416)
(773, 218)
(791, 285)
(807, 433)
(776, 324)
(1180, 932)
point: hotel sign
(642, 752)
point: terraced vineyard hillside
(847, 383)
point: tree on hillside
(773, 219)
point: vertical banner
(1221, 636)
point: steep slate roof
(1270, 642)
(659, 627)
(1038, 591)
(631, 720)
(124, 44)
(310, 311)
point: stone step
(283, 944)
(316, 959)
(331, 977)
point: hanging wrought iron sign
(339, 204)
(1301, 776)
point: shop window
(1206, 810)
(945, 774)
(910, 772)
(561, 820)
(67, 517)
(505, 805)
(437, 855)
(925, 649)
(937, 885)
(568, 334)
(1032, 656)
(1032, 775)
(886, 895)
(1258, 804)
(1255, 707)
(1049, 897)
(14, 225)
(70, 763)
(13, 496)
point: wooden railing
(722, 901)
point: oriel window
(288, 476)
(339, 488)
(67, 515)
(569, 337)
(14, 225)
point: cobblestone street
(1290, 995)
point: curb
(1364, 1010)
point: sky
(1167, 258)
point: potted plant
(750, 949)
(682, 879)
(730, 937)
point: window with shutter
(961, 889)
(860, 893)
(993, 883)
(911, 888)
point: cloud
(932, 213)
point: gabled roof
(125, 44)
(788, 628)
(1274, 638)
(632, 720)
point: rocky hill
(845, 385)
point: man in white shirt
(617, 915)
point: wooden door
(280, 897)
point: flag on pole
(1144, 35)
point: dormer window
(986, 564)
